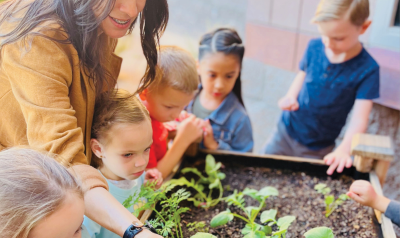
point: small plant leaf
(268, 191)
(266, 229)
(251, 211)
(344, 197)
(221, 219)
(210, 164)
(284, 222)
(329, 200)
(319, 232)
(269, 215)
(203, 235)
(255, 234)
(247, 229)
(320, 186)
(221, 176)
(215, 184)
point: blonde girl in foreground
(37, 196)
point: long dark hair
(78, 20)
(227, 41)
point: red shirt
(159, 147)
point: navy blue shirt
(231, 125)
(328, 94)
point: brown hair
(22, 19)
(357, 11)
(120, 107)
(177, 69)
(32, 186)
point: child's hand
(288, 103)
(362, 192)
(337, 159)
(183, 115)
(190, 130)
(208, 140)
(154, 175)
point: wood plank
(265, 156)
(386, 223)
(372, 146)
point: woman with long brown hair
(56, 56)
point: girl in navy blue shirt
(219, 101)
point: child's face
(126, 154)
(165, 103)
(72, 210)
(340, 36)
(125, 12)
(218, 73)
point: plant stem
(243, 218)
(159, 215)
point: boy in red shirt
(175, 86)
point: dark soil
(296, 197)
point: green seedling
(330, 203)
(212, 181)
(197, 226)
(319, 232)
(253, 229)
(167, 221)
(203, 235)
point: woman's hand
(208, 139)
(154, 175)
(362, 192)
(147, 234)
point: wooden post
(372, 152)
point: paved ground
(263, 85)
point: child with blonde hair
(121, 141)
(174, 87)
(37, 196)
(336, 75)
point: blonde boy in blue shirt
(337, 74)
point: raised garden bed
(295, 180)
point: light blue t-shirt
(93, 230)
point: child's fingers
(332, 167)
(349, 162)
(355, 197)
(329, 158)
(342, 163)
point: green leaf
(215, 184)
(181, 182)
(251, 193)
(251, 211)
(266, 229)
(329, 199)
(192, 170)
(268, 191)
(221, 219)
(255, 234)
(319, 232)
(210, 164)
(221, 176)
(320, 186)
(269, 215)
(203, 235)
(344, 197)
(247, 229)
(284, 222)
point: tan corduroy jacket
(47, 101)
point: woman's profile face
(65, 222)
(121, 17)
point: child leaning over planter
(219, 102)
(174, 87)
(121, 140)
(362, 192)
(336, 75)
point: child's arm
(362, 192)
(358, 124)
(189, 130)
(289, 101)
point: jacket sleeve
(393, 212)
(242, 140)
(40, 78)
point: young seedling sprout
(212, 181)
(319, 232)
(253, 229)
(330, 203)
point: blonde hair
(121, 107)
(177, 69)
(357, 11)
(32, 186)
